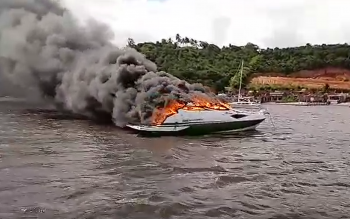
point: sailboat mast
(240, 80)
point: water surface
(64, 168)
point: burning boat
(198, 117)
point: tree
(236, 79)
(206, 63)
(131, 42)
(325, 88)
(178, 38)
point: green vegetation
(290, 99)
(198, 61)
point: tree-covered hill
(198, 61)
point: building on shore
(302, 95)
(339, 98)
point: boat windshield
(205, 108)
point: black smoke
(45, 52)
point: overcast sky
(268, 23)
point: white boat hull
(204, 122)
(245, 105)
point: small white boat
(244, 102)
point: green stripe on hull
(207, 128)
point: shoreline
(307, 104)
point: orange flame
(198, 103)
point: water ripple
(54, 167)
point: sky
(267, 23)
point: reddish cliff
(337, 78)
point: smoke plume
(44, 51)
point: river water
(63, 168)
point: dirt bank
(336, 78)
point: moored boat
(245, 102)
